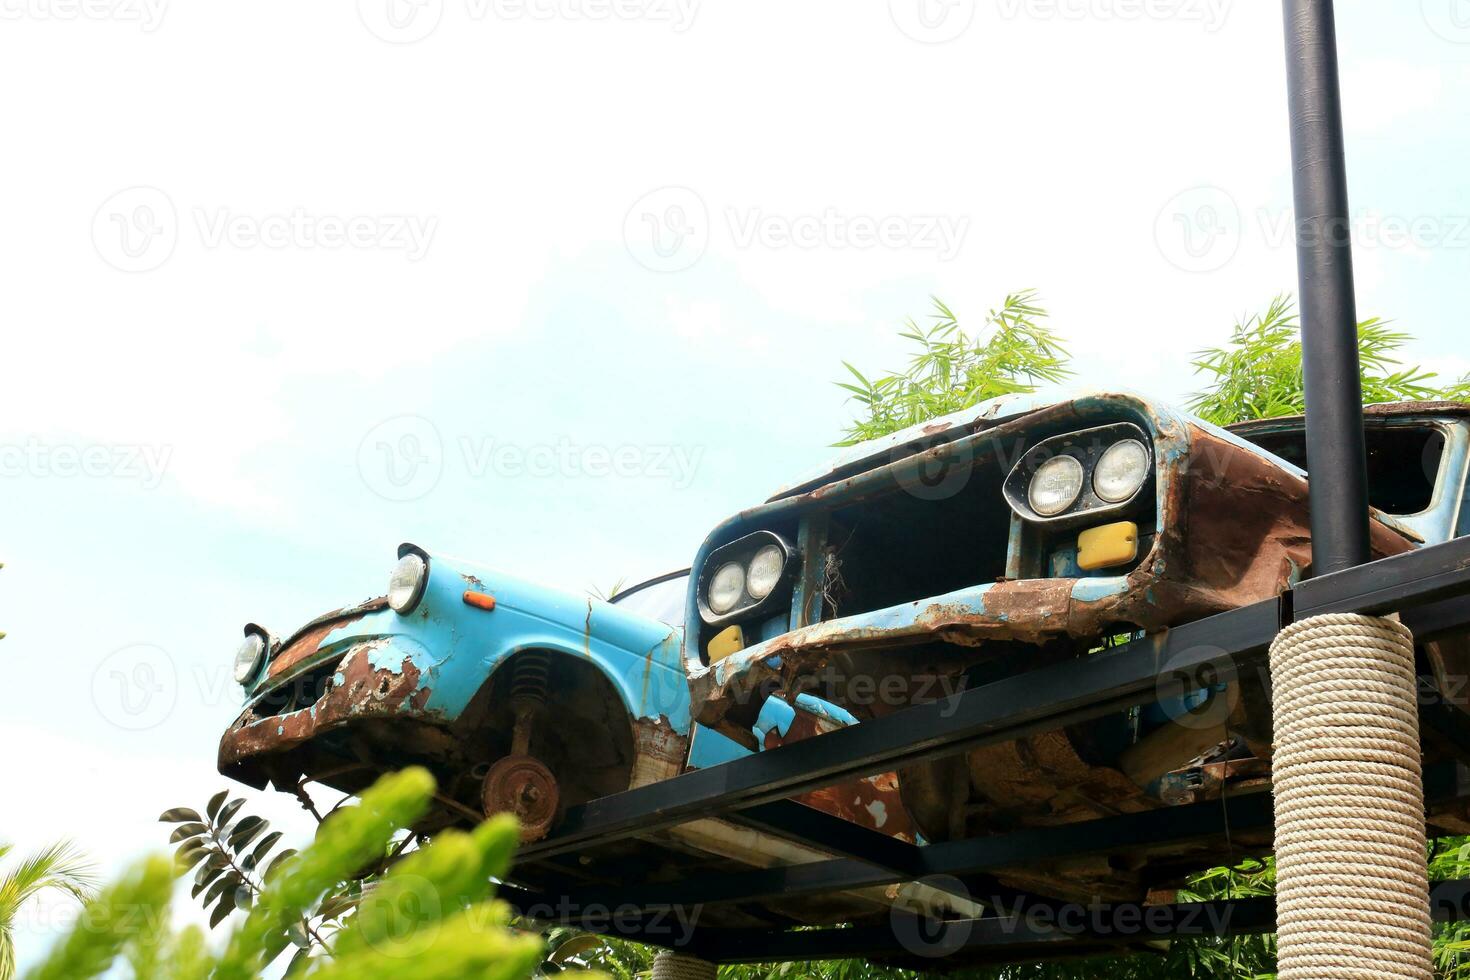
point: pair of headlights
(747, 572)
(405, 589)
(734, 580)
(1120, 472)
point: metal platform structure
(1429, 588)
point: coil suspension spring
(528, 690)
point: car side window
(660, 600)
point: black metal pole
(1334, 391)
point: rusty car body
(916, 566)
(908, 569)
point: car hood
(947, 428)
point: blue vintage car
(1020, 532)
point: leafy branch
(430, 915)
(1257, 374)
(1013, 352)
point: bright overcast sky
(559, 284)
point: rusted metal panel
(359, 689)
(873, 802)
(1232, 528)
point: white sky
(559, 284)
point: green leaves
(431, 915)
(215, 846)
(1258, 373)
(952, 369)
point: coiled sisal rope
(1352, 894)
(673, 966)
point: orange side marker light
(480, 600)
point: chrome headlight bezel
(742, 551)
(419, 559)
(258, 639)
(1087, 447)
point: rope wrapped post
(1352, 893)
(668, 965)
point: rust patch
(364, 692)
(873, 802)
(658, 751)
(306, 641)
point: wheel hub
(523, 786)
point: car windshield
(1403, 462)
(661, 599)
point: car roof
(1379, 410)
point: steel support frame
(1430, 587)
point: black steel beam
(1336, 455)
(1032, 936)
(953, 859)
(1443, 783)
(1160, 665)
(1020, 932)
(1432, 577)
(810, 827)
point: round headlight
(765, 571)
(406, 584)
(726, 587)
(1055, 485)
(1121, 471)
(247, 658)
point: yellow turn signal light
(725, 642)
(1107, 546)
